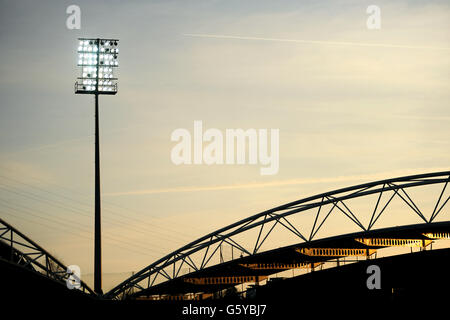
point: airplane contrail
(339, 43)
(252, 185)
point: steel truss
(25, 252)
(168, 267)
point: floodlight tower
(97, 59)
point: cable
(108, 210)
(76, 234)
(64, 206)
(103, 201)
(71, 226)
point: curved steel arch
(35, 258)
(279, 215)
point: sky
(351, 104)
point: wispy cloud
(422, 118)
(320, 42)
(62, 143)
(252, 185)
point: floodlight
(96, 79)
(97, 58)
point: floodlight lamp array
(97, 59)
